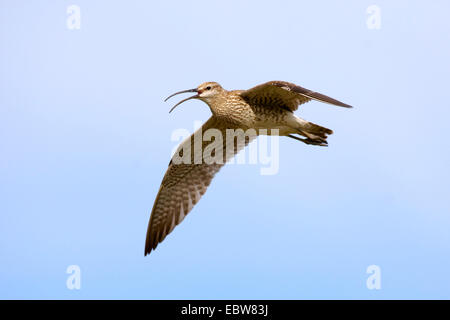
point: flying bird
(269, 106)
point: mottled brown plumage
(266, 106)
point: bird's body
(231, 107)
(263, 108)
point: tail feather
(317, 130)
(314, 131)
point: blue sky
(85, 140)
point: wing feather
(285, 95)
(183, 185)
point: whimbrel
(266, 106)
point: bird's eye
(208, 88)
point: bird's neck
(230, 108)
(217, 104)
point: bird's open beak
(184, 91)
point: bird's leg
(322, 143)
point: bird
(270, 105)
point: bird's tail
(315, 134)
(314, 131)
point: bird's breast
(237, 111)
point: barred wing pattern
(184, 184)
(285, 95)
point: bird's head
(206, 92)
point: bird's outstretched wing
(285, 95)
(185, 183)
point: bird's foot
(315, 142)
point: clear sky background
(85, 141)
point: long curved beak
(184, 91)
